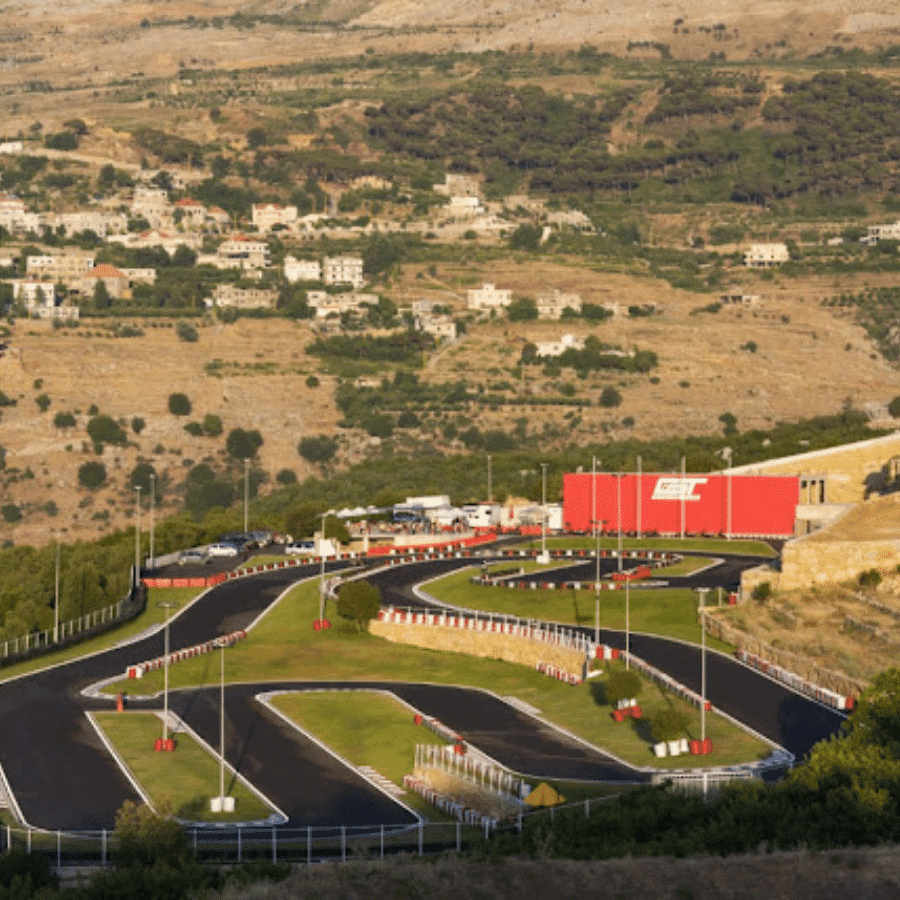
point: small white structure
(244, 298)
(266, 216)
(343, 270)
(302, 270)
(11, 147)
(764, 256)
(878, 233)
(62, 267)
(488, 297)
(554, 304)
(242, 252)
(557, 348)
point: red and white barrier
(138, 670)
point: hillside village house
(242, 252)
(266, 216)
(15, 218)
(189, 213)
(39, 300)
(554, 304)
(464, 207)
(764, 256)
(343, 270)
(115, 281)
(153, 205)
(102, 224)
(64, 267)
(12, 147)
(878, 233)
(156, 238)
(458, 186)
(557, 348)
(244, 298)
(488, 297)
(302, 270)
(334, 305)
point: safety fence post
(343, 843)
(381, 843)
(58, 850)
(274, 846)
(103, 847)
(421, 838)
(239, 842)
(458, 836)
(308, 844)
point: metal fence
(225, 844)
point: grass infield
(186, 779)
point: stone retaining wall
(484, 644)
(804, 563)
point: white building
(441, 328)
(59, 266)
(764, 256)
(464, 207)
(241, 252)
(153, 205)
(191, 212)
(343, 270)
(11, 147)
(244, 298)
(488, 297)
(267, 215)
(326, 304)
(102, 224)
(883, 233)
(554, 304)
(557, 348)
(302, 270)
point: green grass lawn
(154, 614)
(285, 646)
(186, 779)
(670, 612)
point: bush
(187, 332)
(64, 420)
(319, 449)
(621, 684)
(138, 424)
(358, 601)
(894, 407)
(11, 513)
(194, 429)
(212, 425)
(179, 405)
(312, 381)
(669, 725)
(871, 578)
(762, 591)
(43, 402)
(105, 430)
(92, 475)
(286, 476)
(242, 444)
(610, 397)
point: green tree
(358, 601)
(317, 449)
(522, 310)
(64, 420)
(669, 724)
(212, 425)
(92, 475)
(179, 405)
(610, 397)
(894, 407)
(621, 684)
(105, 430)
(145, 837)
(243, 444)
(525, 237)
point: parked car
(223, 549)
(196, 556)
(300, 548)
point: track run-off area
(62, 776)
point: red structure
(712, 503)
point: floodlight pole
(167, 606)
(490, 485)
(619, 513)
(152, 517)
(137, 536)
(246, 494)
(222, 726)
(544, 512)
(322, 572)
(627, 624)
(56, 596)
(702, 610)
(596, 526)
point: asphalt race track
(63, 777)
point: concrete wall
(804, 563)
(483, 644)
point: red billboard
(672, 503)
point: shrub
(286, 476)
(92, 475)
(762, 591)
(610, 397)
(138, 424)
(64, 420)
(318, 449)
(43, 402)
(186, 332)
(243, 444)
(621, 684)
(312, 381)
(179, 405)
(894, 407)
(194, 428)
(10, 512)
(105, 430)
(212, 425)
(358, 601)
(669, 725)
(870, 578)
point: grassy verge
(670, 612)
(186, 779)
(154, 614)
(285, 646)
(676, 545)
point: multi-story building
(343, 270)
(64, 267)
(241, 252)
(488, 297)
(267, 215)
(764, 256)
(302, 269)
(554, 304)
(244, 298)
(192, 213)
(114, 280)
(153, 205)
(102, 224)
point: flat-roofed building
(343, 270)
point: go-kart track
(62, 776)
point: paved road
(63, 777)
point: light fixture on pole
(246, 494)
(222, 803)
(152, 519)
(627, 624)
(165, 735)
(56, 596)
(490, 485)
(596, 526)
(322, 622)
(544, 558)
(137, 536)
(702, 611)
(619, 513)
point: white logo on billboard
(677, 488)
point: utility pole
(137, 536)
(152, 522)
